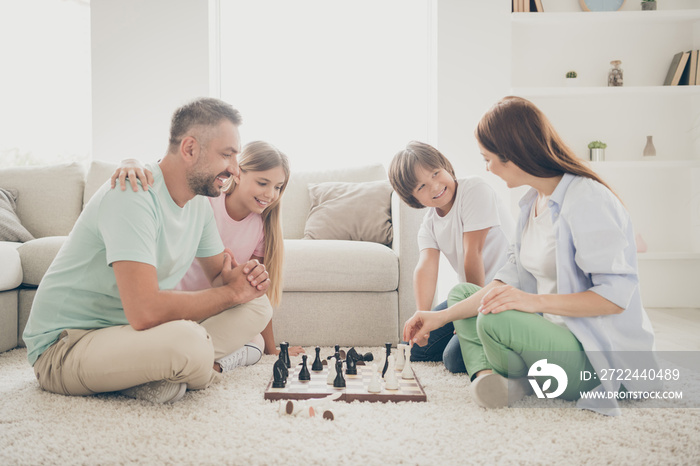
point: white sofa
(335, 291)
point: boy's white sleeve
(479, 207)
(426, 235)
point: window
(45, 91)
(331, 84)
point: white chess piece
(407, 372)
(391, 382)
(375, 386)
(400, 356)
(309, 408)
(331, 372)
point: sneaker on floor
(246, 356)
(160, 391)
(494, 391)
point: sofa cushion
(37, 256)
(350, 211)
(98, 174)
(11, 228)
(334, 265)
(50, 198)
(11, 269)
(296, 203)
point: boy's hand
(132, 169)
(417, 329)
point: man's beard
(202, 183)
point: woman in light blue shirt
(565, 309)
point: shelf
(583, 17)
(652, 164)
(604, 91)
(668, 256)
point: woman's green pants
(510, 342)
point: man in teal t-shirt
(106, 318)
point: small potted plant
(597, 150)
(648, 4)
(571, 78)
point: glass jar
(615, 74)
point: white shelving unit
(661, 193)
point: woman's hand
(506, 297)
(132, 169)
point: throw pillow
(350, 211)
(11, 228)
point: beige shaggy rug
(231, 423)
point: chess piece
(391, 382)
(317, 365)
(331, 373)
(279, 374)
(339, 381)
(367, 357)
(284, 354)
(375, 386)
(400, 356)
(407, 372)
(309, 408)
(351, 361)
(386, 360)
(304, 374)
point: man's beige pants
(85, 362)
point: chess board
(355, 389)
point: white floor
(676, 329)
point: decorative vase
(615, 75)
(649, 149)
(597, 155)
(648, 5)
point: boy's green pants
(511, 341)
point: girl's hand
(506, 297)
(132, 169)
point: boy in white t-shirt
(466, 221)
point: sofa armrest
(406, 222)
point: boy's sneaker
(494, 391)
(160, 391)
(246, 356)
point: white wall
(148, 58)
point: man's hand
(417, 329)
(248, 281)
(133, 169)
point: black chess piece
(386, 360)
(317, 365)
(284, 354)
(304, 374)
(279, 374)
(339, 381)
(368, 357)
(350, 367)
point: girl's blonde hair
(516, 130)
(259, 156)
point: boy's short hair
(402, 170)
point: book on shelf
(678, 66)
(526, 5)
(697, 70)
(536, 5)
(693, 68)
